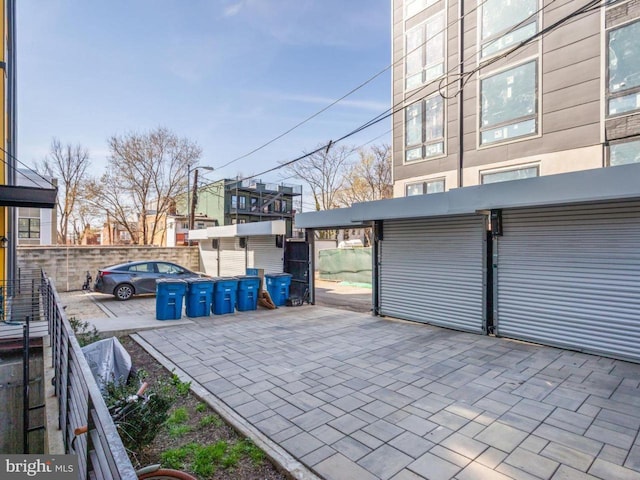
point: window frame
(484, 43)
(30, 232)
(609, 95)
(425, 143)
(535, 116)
(421, 5)
(513, 168)
(425, 186)
(423, 51)
(617, 143)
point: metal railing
(100, 452)
(20, 298)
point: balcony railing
(100, 451)
(260, 186)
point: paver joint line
(333, 392)
(280, 457)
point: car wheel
(123, 291)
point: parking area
(352, 396)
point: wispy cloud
(233, 9)
(371, 105)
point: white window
(29, 223)
(425, 188)
(624, 69)
(507, 175)
(505, 23)
(624, 153)
(424, 129)
(413, 7)
(425, 52)
(509, 104)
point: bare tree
(323, 171)
(145, 172)
(370, 178)
(67, 163)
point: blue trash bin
(199, 297)
(248, 289)
(278, 287)
(251, 272)
(225, 295)
(169, 297)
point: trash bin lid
(247, 277)
(170, 280)
(199, 280)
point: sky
(229, 75)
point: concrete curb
(280, 457)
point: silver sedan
(133, 278)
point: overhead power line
(353, 90)
(26, 167)
(588, 7)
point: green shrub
(175, 458)
(206, 458)
(178, 416)
(141, 422)
(84, 334)
(181, 387)
(176, 431)
(249, 449)
(201, 407)
(211, 420)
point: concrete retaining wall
(68, 266)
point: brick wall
(68, 266)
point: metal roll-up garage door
(432, 271)
(570, 276)
(232, 258)
(264, 254)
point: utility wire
(352, 91)
(588, 7)
(26, 167)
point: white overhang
(588, 186)
(275, 227)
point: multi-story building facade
(229, 202)
(487, 91)
(36, 226)
(248, 201)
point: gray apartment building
(493, 90)
(548, 96)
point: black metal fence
(20, 298)
(100, 452)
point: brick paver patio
(357, 397)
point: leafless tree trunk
(67, 163)
(324, 173)
(370, 178)
(145, 172)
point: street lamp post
(195, 186)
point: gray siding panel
(571, 277)
(432, 271)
